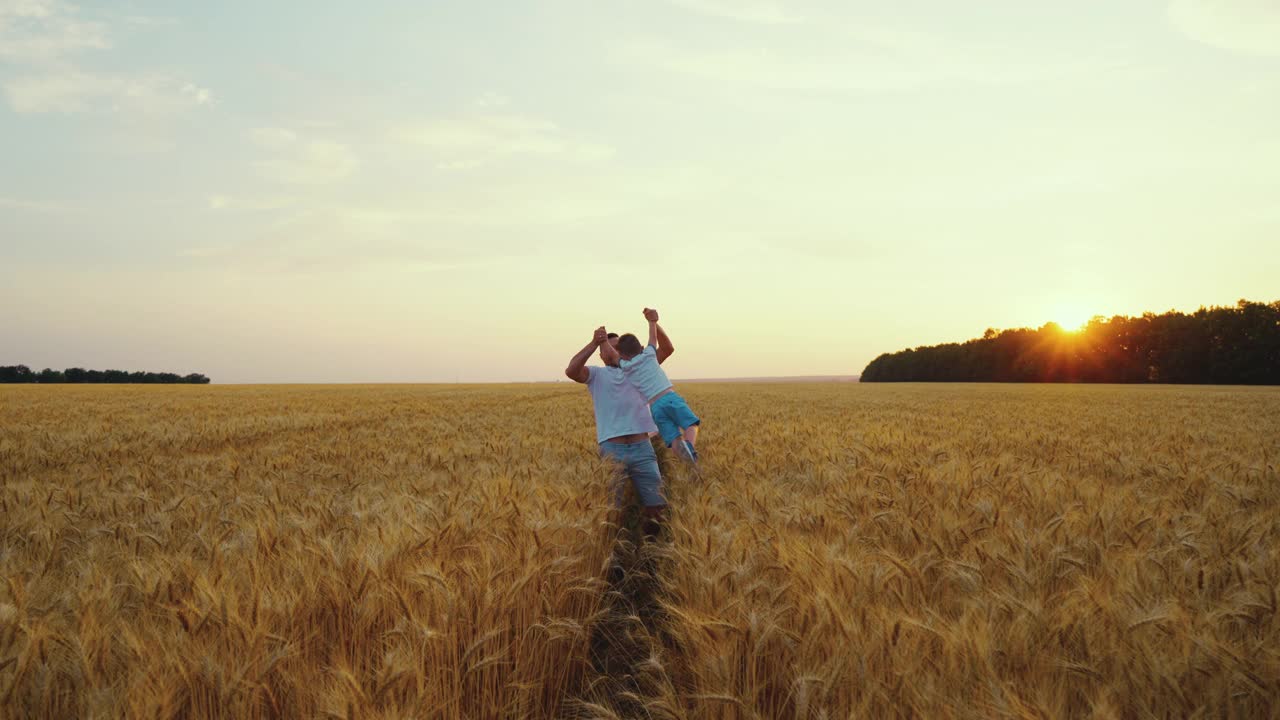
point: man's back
(619, 406)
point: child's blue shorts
(672, 414)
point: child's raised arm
(652, 316)
(609, 353)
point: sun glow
(1072, 320)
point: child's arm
(665, 348)
(652, 316)
(609, 353)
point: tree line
(24, 374)
(1217, 345)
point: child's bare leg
(691, 435)
(683, 448)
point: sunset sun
(1072, 319)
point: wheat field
(966, 551)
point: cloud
(1246, 26)
(495, 220)
(480, 138)
(853, 59)
(298, 160)
(149, 21)
(39, 206)
(750, 11)
(770, 70)
(73, 90)
(318, 237)
(273, 138)
(473, 220)
(490, 100)
(33, 31)
(231, 203)
(196, 94)
(41, 41)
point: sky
(440, 192)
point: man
(623, 427)
(641, 365)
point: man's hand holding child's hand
(601, 336)
(651, 315)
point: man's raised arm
(577, 370)
(665, 348)
(658, 336)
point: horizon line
(744, 378)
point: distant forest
(24, 374)
(1219, 345)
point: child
(675, 421)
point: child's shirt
(645, 373)
(619, 407)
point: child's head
(629, 346)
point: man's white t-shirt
(620, 408)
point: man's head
(612, 339)
(629, 346)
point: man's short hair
(613, 336)
(629, 346)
